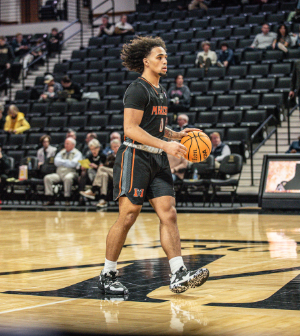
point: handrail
(92, 20)
(290, 112)
(46, 52)
(68, 38)
(252, 152)
(33, 62)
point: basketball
(198, 146)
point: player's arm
(132, 130)
(170, 134)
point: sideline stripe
(37, 306)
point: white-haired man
(104, 174)
(66, 162)
(182, 123)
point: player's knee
(170, 216)
(129, 219)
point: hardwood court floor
(50, 262)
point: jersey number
(161, 126)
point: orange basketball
(198, 146)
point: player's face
(157, 61)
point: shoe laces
(113, 275)
(181, 270)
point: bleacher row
(233, 100)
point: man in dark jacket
(71, 91)
(294, 147)
(4, 167)
(6, 60)
(20, 48)
(225, 56)
(295, 83)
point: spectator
(70, 134)
(66, 162)
(49, 81)
(283, 40)
(51, 95)
(39, 50)
(123, 27)
(96, 160)
(106, 28)
(71, 92)
(6, 60)
(86, 149)
(182, 123)
(294, 147)
(195, 4)
(177, 165)
(207, 57)
(20, 48)
(263, 40)
(1, 118)
(46, 151)
(179, 96)
(295, 82)
(114, 135)
(54, 40)
(15, 121)
(226, 56)
(219, 149)
(4, 167)
(104, 174)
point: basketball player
(142, 169)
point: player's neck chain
(155, 89)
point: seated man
(49, 82)
(263, 40)
(46, 151)
(104, 174)
(219, 150)
(15, 121)
(182, 123)
(66, 162)
(54, 40)
(71, 92)
(6, 60)
(106, 28)
(96, 159)
(294, 147)
(226, 56)
(123, 27)
(2, 119)
(21, 48)
(207, 57)
(4, 166)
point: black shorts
(139, 174)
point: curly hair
(137, 49)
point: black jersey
(142, 95)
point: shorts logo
(138, 192)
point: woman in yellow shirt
(15, 121)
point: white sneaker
(102, 204)
(88, 194)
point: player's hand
(176, 149)
(184, 132)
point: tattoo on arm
(171, 134)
